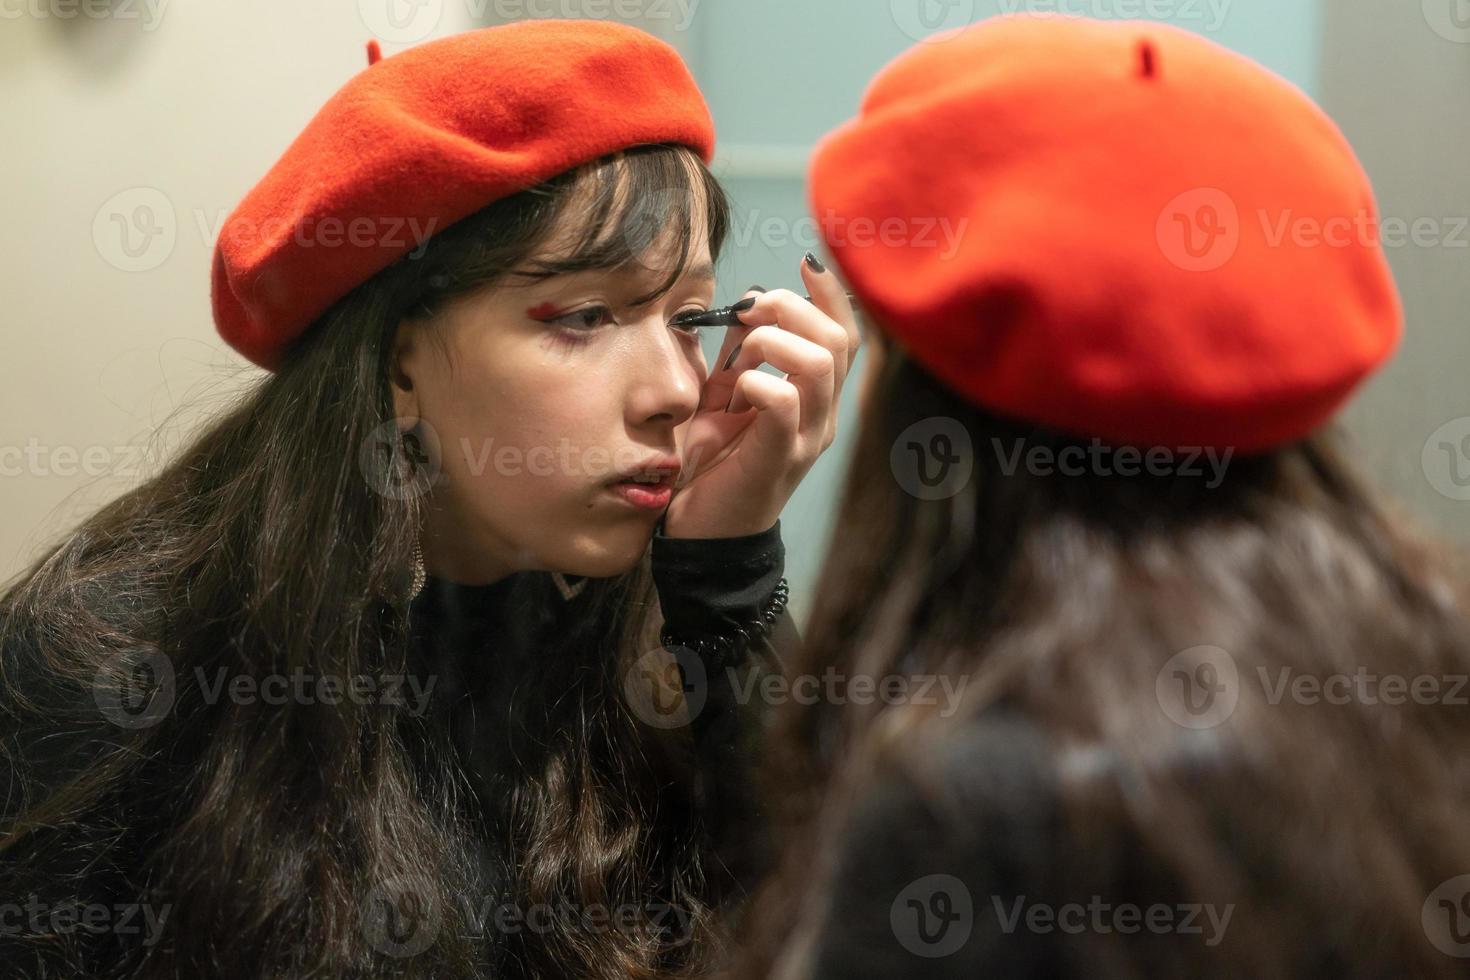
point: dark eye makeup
(586, 319)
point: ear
(404, 369)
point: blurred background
(137, 125)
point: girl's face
(537, 399)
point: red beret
(1152, 240)
(420, 140)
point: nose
(663, 382)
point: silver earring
(567, 590)
(420, 574)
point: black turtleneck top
(505, 671)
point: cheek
(519, 434)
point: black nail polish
(733, 354)
(743, 305)
(756, 289)
(814, 263)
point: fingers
(777, 402)
(733, 335)
(793, 314)
(809, 368)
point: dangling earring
(567, 590)
(408, 456)
(420, 574)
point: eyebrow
(702, 273)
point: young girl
(410, 665)
(1169, 693)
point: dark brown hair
(271, 830)
(1060, 599)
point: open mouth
(650, 479)
(650, 487)
(655, 471)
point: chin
(615, 552)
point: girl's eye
(692, 330)
(586, 319)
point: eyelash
(575, 330)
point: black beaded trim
(723, 649)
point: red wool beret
(426, 137)
(1118, 230)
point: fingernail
(756, 289)
(733, 354)
(743, 305)
(814, 263)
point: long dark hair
(1062, 597)
(273, 831)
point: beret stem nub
(1148, 59)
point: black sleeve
(936, 865)
(709, 588)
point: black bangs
(631, 206)
(611, 214)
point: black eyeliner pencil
(725, 316)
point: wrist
(714, 586)
(671, 528)
(726, 647)
(731, 523)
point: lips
(656, 471)
(649, 485)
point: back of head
(1244, 681)
(1101, 504)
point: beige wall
(180, 113)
